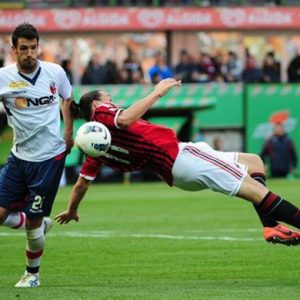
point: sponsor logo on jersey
(18, 92)
(27, 102)
(20, 102)
(53, 87)
(18, 84)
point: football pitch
(149, 241)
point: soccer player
(31, 91)
(137, 144)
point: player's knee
(3, 214)
(33, 234)
(256, 164)
(35, 239)
(33, 223)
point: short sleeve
(90, 168)
(107, 114)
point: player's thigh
(198, 166)
(252, 190)
(43, 182)
(3, 214)
(12, 185)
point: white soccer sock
(15, 220)
(35, 246)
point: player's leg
(44, 180)
(13, 196)
(272, 231)
(15, 220)
(35, 243)
(3, 214)
(256, 170)
(198, 166)
(269, 203)
(11, 190)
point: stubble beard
(27, 66)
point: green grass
(6, 138)
(148, 241)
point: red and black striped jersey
(142, 146)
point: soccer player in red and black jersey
(139, 145)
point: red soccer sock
(279, 209)
(265, 220)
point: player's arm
(68, 121)
(138, 109)
(77, 194)
(65, 92)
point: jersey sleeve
(90, 168)
(107, 114)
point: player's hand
(66, 216)
(165, 85)
(69, 143)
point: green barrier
(228, 111)
(186, 96)
(174, 123)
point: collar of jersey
(34, 78)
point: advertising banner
(149, 19)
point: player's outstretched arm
(77, 194)
(138, 109)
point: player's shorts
(199, 167)
(30, 186)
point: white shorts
(199, 167)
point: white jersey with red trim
(32, 104)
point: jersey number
(37, 203)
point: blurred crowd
(204, 68)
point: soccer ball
(93, 138)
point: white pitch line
(113, 234)
(227, 230)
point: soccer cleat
(281, 235)
(48, 224)
(28, 280)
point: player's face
(105, 97)
(26, 52)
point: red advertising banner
(149, 19)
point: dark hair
(24, 30)
(84, 108)
(75, 110)
(65, 63)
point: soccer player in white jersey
(137, 145)
(33, 92)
